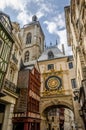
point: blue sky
(50, 13)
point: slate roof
(56, 52)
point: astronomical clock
(53, 83)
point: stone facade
(62, 68)
(10, 89)
(23, 42)
(58, 81)
(76, 34)
(33, 41)
(27, 106)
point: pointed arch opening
(28, 38)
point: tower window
(50, 55)
(70, 65)
(73, 82)
(26, 57)
(50, 66)
(28, 38)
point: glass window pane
(70, 65)
(50, 66)
(73, 82)
(26, 57)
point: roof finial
(45, 45)
(34, 18)
(50, 43)
(56, 42)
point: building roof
(56, 52)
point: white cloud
(24, 13)
(39, 14)
(44, 8)
(51, 27)
(57, 27)
(37, 1)
(62, 35)
(2, 5)
(24, 17)
(19, 6)
(55, 24)
(15, 4)
(60, 20)
(63, 40)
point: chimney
(63, 50)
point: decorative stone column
(7, 124)
(43, 125)
(78, 121)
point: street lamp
(76, 94)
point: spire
(63, 49)
(45, 45)
(50, 43)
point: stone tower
(33, 41)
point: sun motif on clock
(53, 82)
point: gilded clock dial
(53, 82)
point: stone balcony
(11, 87)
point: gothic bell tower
(33, 41)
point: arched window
(28, 38)
(26, 57)
(50, 55)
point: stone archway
(56, 101)
(67, 101)
(51, 102)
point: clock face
(53, 82)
